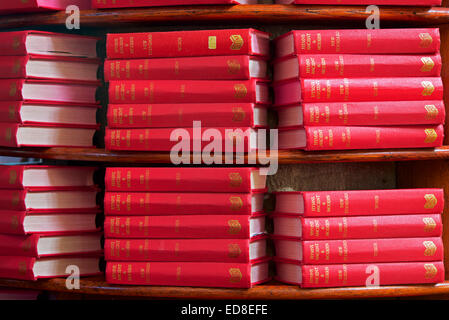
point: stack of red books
(359, 238)
(48, 222)
(157, 3)
(359, 89)
(165, 87)
(364, 2)
(48, 84)
(185, 227)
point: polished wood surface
(231, 15)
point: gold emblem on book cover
(16, 43)
(429, 224)
(429, 88)
(428, 64)
(234, 250)
(212, 43)
(12, 177)
(238, 114)
(233, 66)
(26, 246)
(234, 226)
(22, 267)
(24, 1)
(8, 134)
(240, 91)
(236, 203)
(14, 222)
(236, 275)
(431, 201)
(16, 67)
(13, 89)
(237, 42)
(430, 248)
(15, 199)
(235, 179)
(431, 135)
(426, 40)
(12, 112)
(432, 111)
(431, 270)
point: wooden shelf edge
(238, 14)
(271, 291)
(284, 157)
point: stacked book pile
(365, 2)
(48, 84)
(359, 238)
(48, 222)
(157, 3)
(359, 89)
(25, 6)
(162, 82)
(185, 227)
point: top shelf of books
(235, 15)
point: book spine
(177, 227)
(11, 222)
(342, 66)
(212, 68)
(13, 200)
(11, 177)
(372, 227)
(233, 180)
(227, 275)
(11, 89)
(342, 138)
(10, 111)
(13, 245)
(144, 203)
(373, 202)
(371, 89)
(13, 67)
(380, 113)
(8, 135)
(175, 250)
(179, 44)
(179, 91)
(170, 139)
(16, 267)
(13, 43)
(343, 275)
(123, 116)
(372, 250)
(375, 41)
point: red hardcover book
(212, 68)
(46, 177)
(35, 113)
(20, 43)
(354, 275)
(356, 66)
(346, 138)
(235, 180)
(184, 227)
(28, 268)
(379, 113)
(360, 202)
(100, 4)
(359, 41)
(178, 115)
(186, 250)
(193, 91)
(51, 223)
(358, 227)
(187, 44)
(38, 246)
(8, 7)
(156, 203)
(366, 2)
(358, 89)
(237, 140)
(360, 251)
(192, 274)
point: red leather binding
(178, 227)
(181, 43)
(179, 179)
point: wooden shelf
(270, 291)
(232, 15)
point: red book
(379, 113)
(187, 44)
(156, 203)
(20, 43)
(182, 115)
(359, 227)
(236, 180)
(360, 251)
(359, 41)
(184, 227)
(356, 66)
(191, 274)
(366, 2)
(212, 68)
(35, 113)
(360, 202)
(46, 135)
(38, 246)
(46, 177)
(352, 275)
(193, 91)
(51, 223)
(347, 138)
(358, 89)
(28, 268)
(155, 3)
(238, 140)
(186, 250)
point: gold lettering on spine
(430, 270)
(428, 88)
(430, 248)
(372, 65)
(431, 112)
(237, 42)
(178, 273)
(375, 249)
(428, 64)
(431, 135)
(426, 40)
(429, 224)
(212, 42)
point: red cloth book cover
(7, 7)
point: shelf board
(238, 14)
(270, 291)
(284, 157)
